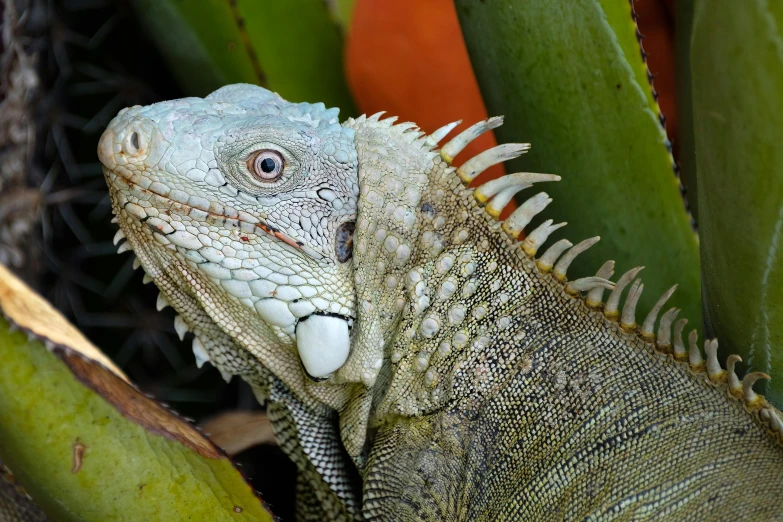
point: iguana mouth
(203, 215)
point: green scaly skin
(480, 384)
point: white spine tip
(461, 140)
(595, 297)
(565, 261)
(388, 122)
(147, 279)
(537, 237)
(714, 370)
(546, 261)
(199, 352)
(136, 263)
(694, 354)
(611, 310)
(665, 328)
(125, 247)
(481, 162)
(433, 139)
(522, 216)
(161, 303)
(680, 353)
(628, 318)
(735, 385)
(517, 181)
(500, 201)
(119, 236)
(226, 375)
(750, 396)
(649, 321)
(376, 116)
(588, 283)
(181, 327)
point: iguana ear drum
(343, 245)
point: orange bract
(407, 58)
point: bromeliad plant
(570, 76)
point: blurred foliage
(293, 48)
(342, 11)
(569, 78)
(737, 81)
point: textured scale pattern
(15, 503)
(479, 382)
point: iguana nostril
(343, 245)
(133, 144)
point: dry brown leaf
(236, 431)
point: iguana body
(460, 377)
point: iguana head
(244, 203)
(241, 207)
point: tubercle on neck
(395, 167)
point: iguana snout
(119, 145)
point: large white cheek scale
(323, 344)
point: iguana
(418, 360)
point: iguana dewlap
(419, 363)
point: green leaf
(687, 148)
(293, 47)
(201, 43)
(88, 446)
(737, 74)
(569, 78)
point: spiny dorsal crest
(495, 195)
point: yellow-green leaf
(87, 445)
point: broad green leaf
(88, 446)
(687, 148)
(737, 74)
(200, 42)
(569, 78)
(293, 47)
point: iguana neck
(394, 172)
(438, 279)
(429, 264)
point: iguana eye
(266, 164)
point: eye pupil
(268, 165)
